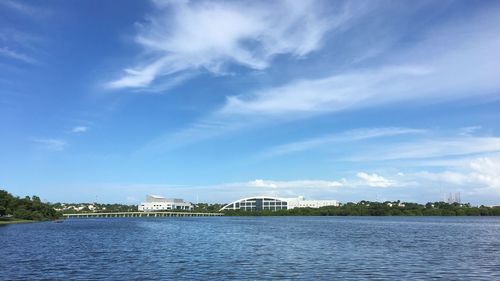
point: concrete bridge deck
(140, 215)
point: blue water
(256, 248)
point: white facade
(259, 203)
(301, 203)
(159, 203)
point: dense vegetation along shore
(19, 210)
(367, 208)
(28, 209)
(362, 208)
(77, 208)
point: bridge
(140, 215)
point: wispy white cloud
(18, 45)
(320, 184)
(478, 176)
(20, 39)
(348, 136)
(188, 36)
(429, 148)
(7, 52)
(25, 8)
(374, 180)
(486, 171)
(467, 131)
(360, 181)
(311, 188)
(447, 64)
(335, 93)
(199, 131)
(79, 129)
(50, 144)
(441, 67)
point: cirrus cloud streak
(188, 36)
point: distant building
(453, 198)
(159, 203)
(260, 203)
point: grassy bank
(14, 221)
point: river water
(255, 248)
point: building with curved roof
(270, 203)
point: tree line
(367, 208)
(28, 208)
(31, 208)
(77, 208)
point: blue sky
(216, 100)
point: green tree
(26, 208)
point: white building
(259, 203)
(159, 203)
(300, 202)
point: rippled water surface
(308, 248)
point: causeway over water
(141, 215)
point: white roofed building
(159, 203)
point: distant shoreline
(15, 221)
